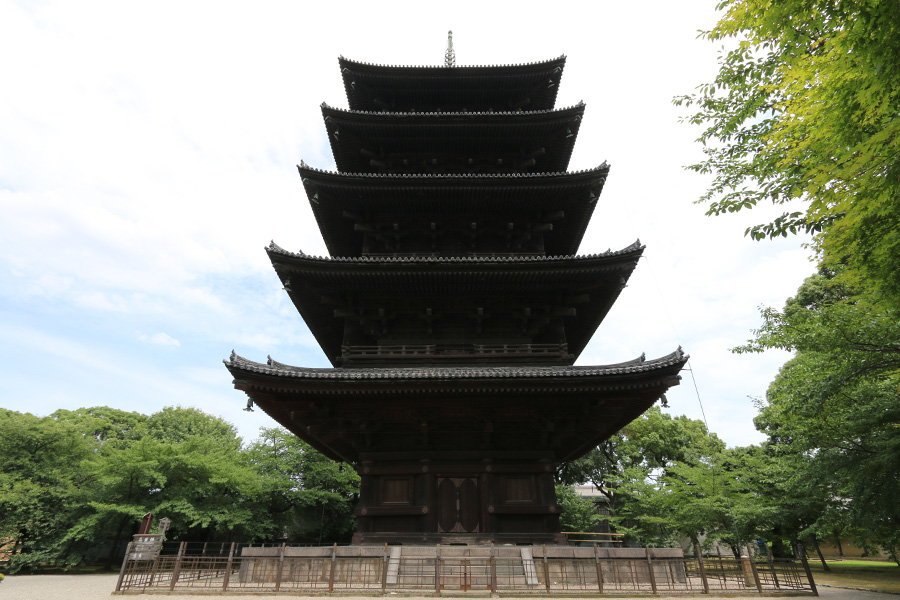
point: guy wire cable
(689, 367)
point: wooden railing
(594, 538)
(449, 350)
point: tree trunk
(819, 552)
(840, 548)
(114, 550)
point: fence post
(122, 570)
(650, 569)
(333, 565)
(384, 569)
(228, 566)
(753, 569)
(437, 570)
(772, 567)
(599, 569)
(177, 570)
(546, 570)
(702, 568)
(154, 569)
(812, 584)
(493, 570)
(280, 569)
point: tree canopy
(805, 110)
(74, 485)
(837, 403)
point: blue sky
(148, 155)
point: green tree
(41, 488)
(655, 440)
(837, 403)
(579, 513)
(78, 482)
(309, 496)
(804, 108)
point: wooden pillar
(122, 570)
(384, 569)
(228, 566)
(280, 569)
(702, 568)
(753, 569)
(599, 569)
(331, 571)
(177, 570)
(493, 570)
(772, 567)
(437, 570)
(650, 569)
(546, 570)
(809, 576)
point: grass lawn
(866, 574)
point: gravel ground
(100, 587)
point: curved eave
(545, 139)
(379, 87)
(307, 279)
(512, 197)
(280, 376)
(327, 407)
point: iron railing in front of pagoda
(433, 570)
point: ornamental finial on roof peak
(450, 54)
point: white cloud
(160, 339)
(148, 157)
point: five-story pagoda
(453, 305)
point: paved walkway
(100, 587)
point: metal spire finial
(450, 55)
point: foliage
(666, 479)
(309, 496)
(655, 440)
(41, 487)
(579, 513)
(74, 485)
(835, 407)
(805, 107)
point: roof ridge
(436, 113)
(604, 166)
(634, 246)
(456, 67)
(459, 371)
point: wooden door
(459, 505)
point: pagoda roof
(308, 278)
(578, 405)
(434, 142)
(531, 86)
(510, 197)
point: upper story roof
(566, 201)
(597, 280)
(452, 142)
(530, 86)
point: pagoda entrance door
(459, 505)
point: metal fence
(435, 569)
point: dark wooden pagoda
(453, 305)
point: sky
(148, 155)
